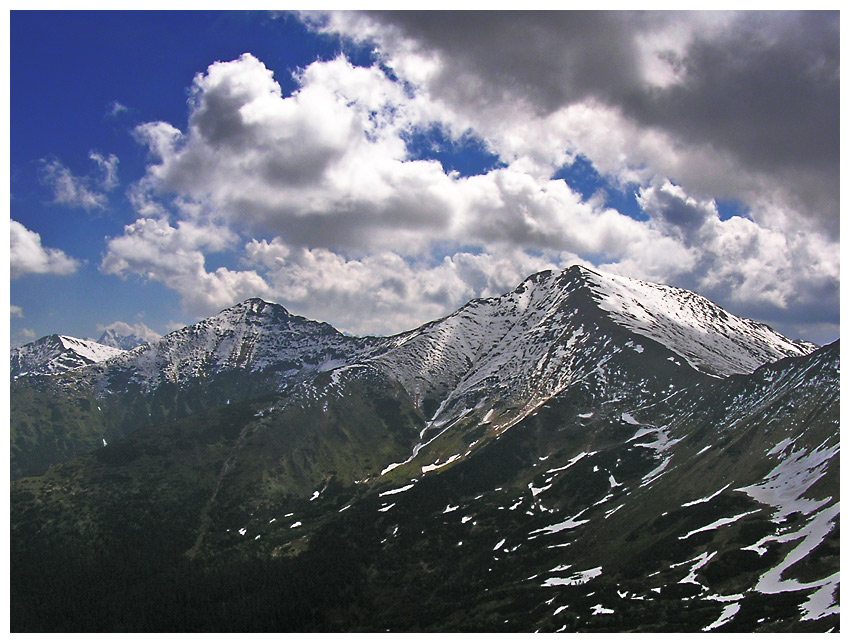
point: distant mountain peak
(252, 336)
(124, 340)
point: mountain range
(588, 452)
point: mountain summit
(530, 341)
(125, 340)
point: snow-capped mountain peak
(124, 340)
(253, 336)
(558, 328)
(58, 353)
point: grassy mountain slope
(606, 509)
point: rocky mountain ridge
(498, 358)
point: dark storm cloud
(551, 58)
(763, 89)
(766, 91)
(813, 303)
(771, 98)
(671, 208)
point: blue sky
(69, 69)
(377, 170)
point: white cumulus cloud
(157, 251)
(28, 256)
(346, 227)
(384, 293)
(739, 100)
